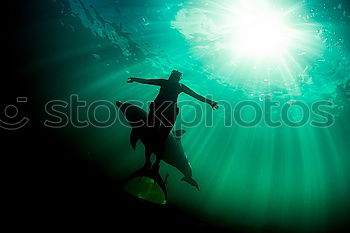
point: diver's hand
(131, 79)
(214, 105)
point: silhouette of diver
(172, 154)
(163, 110)
(155, 134)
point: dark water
(288, 178)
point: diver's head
(191, 181)
(175, 76)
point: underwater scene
(263, 119)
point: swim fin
(150, 173)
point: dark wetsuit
(164, 110)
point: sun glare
(260, 35)
(259, 32)
(244, 42)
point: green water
(285, 177)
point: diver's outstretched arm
(190, 92)
(156, 82)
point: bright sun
(259, 32)
(261, 36)
(246, 41)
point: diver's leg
(148, 163)
(153, 119)
(169, 122)
(150, 118)
(164, 131)
(156, 165)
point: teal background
(285, 178)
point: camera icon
(11, 112)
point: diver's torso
(169, 91)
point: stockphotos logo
(103, 113)
(12, 118)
